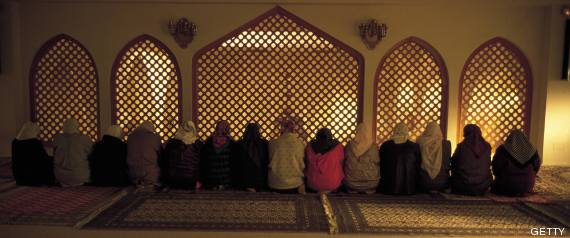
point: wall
(454, 28)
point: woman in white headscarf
(361, 166)
(31, 165)
(143, 151)
(515, 165)
(108, 160)
(71, 165)
(181, 158)
(436, 152)
(399, 163)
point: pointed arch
(64, 84)
(411, 86)
(274, 65)
(496, 91)
(146, 85)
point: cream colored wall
(454, 28)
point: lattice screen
(411, 87)
(147, 87)
(64, 84)
(496, 91)
(276, 64)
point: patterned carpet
(374, 214)
(54, 205)
(553, 182)
(234, 211)
(560, 211)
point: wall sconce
(183, 31)
(372, 33)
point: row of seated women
(285, 164)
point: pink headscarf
(473, 139)
(222, 134)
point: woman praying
(286, 161)
(108, 160)
(361, 167)
(325, 157)
(143, 151)
(435, 166)
(251, 168)
(217, 158)
(31, 165)
(71, 165)
(182, 158)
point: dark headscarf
(252, 142)
(473, 139)
(222, 134)
(324, 141)
(519, 147)
(288, 126)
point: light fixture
(372, 33)
(183, 31)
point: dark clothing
(252, 165)
(399, 167)
(181, 164)
(441, 181)
(216, 164)
(471, 174)
(143, 153)
(108, 162)
(511, 177)
(31, 165)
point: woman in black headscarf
(251, 167)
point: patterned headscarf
(29, 130)
(71, 126)
(324, 141)
(187, 133)
(431, 149)
(400, 133)
(361, 141)
(519, 147)
(114, 131)
(222, 134)
(473, 139)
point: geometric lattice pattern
(146, 87)
(64, 84)
(275, 66)
(411, 87)
(496, 90)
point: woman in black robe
(399, 163)
(471, 164)
(108, 160)
(217, 157)
(253, 159)
(182, 158)
(436, 153)
(31, 165)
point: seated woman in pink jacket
(325, 156)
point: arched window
(496, 91)
(64, 84)
(146, 86)
(411, 87)
(275, 66)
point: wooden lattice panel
(275, 64)
(146, 87)
(411, 87)
(64, 84)
(496, 90)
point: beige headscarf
(400, 133)
(186, 133)
(114, 131)
(71, 126)
(361, 141)
(29, 130)
(431, 149)
(146, 125)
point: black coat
(181, 164)
(470, 174)
(31, 165)
(399, 167)
(251, 167)
(108, 162)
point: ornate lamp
(183, 31)
(372, 33)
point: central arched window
(278, 65)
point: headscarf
(71, 126)
(400, 133)
(518, 146)
(431, 149)
(323, 141)
(29, 130)
(186, 133)
(147, 126)
(222, 134)
(473, 139)
(361, 141)
(288, 126)
(252, 142)
(114, 131)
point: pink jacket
(324, 171)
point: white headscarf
(362, 140)
(431, 149)
(71, 126)
(400, 133)
(186, 133)
(114, 131)
(29, 130)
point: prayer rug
(215, 211)
(55, 205)
(553, 182)
(559, 211)
(434, 217)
